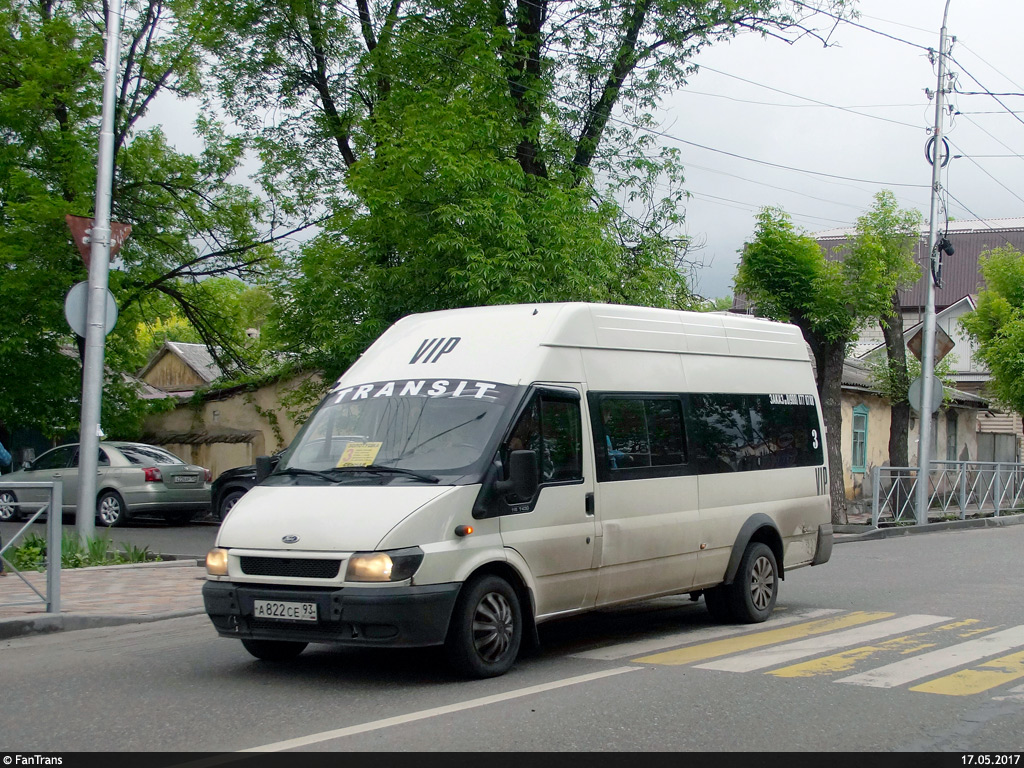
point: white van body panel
(323, 518)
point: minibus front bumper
(394, 617)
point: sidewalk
(130, 594)
(103, 597)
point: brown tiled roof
(960, 273)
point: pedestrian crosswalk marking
(844, 661)
(934, 662)
(812, 646)
(985, 676)
(700, 635)
(747, 642)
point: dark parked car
(233, 484)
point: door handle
(588, 504)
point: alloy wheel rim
(6, 506)
(762, 583)
(493, 627)
(110, 510)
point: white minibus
(479, 471)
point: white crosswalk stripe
(812, 646)
(934, 662)
(703, 634)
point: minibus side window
(550, 425)
(641, 437)
(740, 433)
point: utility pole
(928, 351)
(99, 269)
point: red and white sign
(81, 232)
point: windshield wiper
(394, 470)
(293, 471)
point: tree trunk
(829, 357)
(899, 407)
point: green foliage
(189, 221)
(882, 250)
(997, 325)
(785, 274)
(894, 384)
(30, 555)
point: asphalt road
(903, 644)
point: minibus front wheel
(486, 628)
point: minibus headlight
(217, 562)
(396, 565)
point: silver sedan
(133, 479)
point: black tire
(752, 595)
(274, 650)
(486, 628)
(111, 511)
(9, 510)
(179, 518)
(718, 605)
(229, 501)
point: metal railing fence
(956, 490)
(53, 543)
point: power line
(988, 92)
(806, 98)
(861, 26)
(793, 106)
(976, 216)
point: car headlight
(395, 565)
(217, 562)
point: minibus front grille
(291, 567)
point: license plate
(185, 478)
(276, 609)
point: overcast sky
(869, 74)
(756, 98)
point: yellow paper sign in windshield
(359, 454)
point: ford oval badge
(290, 539)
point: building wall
(858, 484)
(170, 374)
(232, 430)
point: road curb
(47, 623)
(846, 533)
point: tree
(477, 146)
(786, 276)
(888, 234)
(997, 325)
(189, 221)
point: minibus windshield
(435, 426)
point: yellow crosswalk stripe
(844, 661)
(985, 676)
(726, 646)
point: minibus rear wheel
(486, 628)
(753, 593)
(274, 650)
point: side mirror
(523, 476)
(264, 466)
(26, 464)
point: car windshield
(438, 426)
